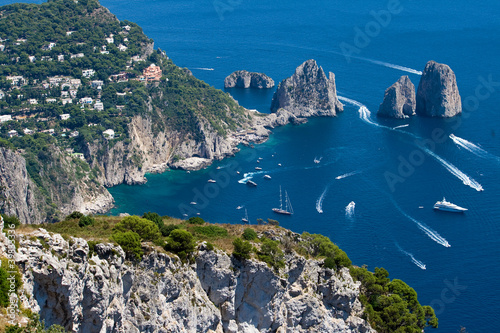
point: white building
(88, 72)
(27, 131)
(32, 58)
(50, 100)
(86, 100)
(65, 116)
(13, 133)
(67, 101)
(109, 133)
(60, 57)
(122, 48)
(33, 101)
(5, 118)
(98, 106)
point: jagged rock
(245, 79)
(437, 93)
(308, 93)
(399, 100)
(102, 292)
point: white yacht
(448, 206)
(267, 177)
(211, 181)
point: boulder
(437, 93)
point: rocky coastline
(245, 79)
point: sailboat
(245, 219)
(288, 205)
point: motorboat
(448, 207)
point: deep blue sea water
(388, 228)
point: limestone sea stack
(437, 93)
(399, 100)
(308, 92)
(245, 79)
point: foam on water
(349, 209)
(475, 149)
(420, 264)
(401, 126)
(319, 202)
(203, 69)
(248, 176)
(345, 175)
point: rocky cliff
(399, 100)
(245, 79)
(308, 92)
(62, 186)
(97, 290)
(437, 93)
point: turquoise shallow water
(388, 228)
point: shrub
(10, 220)
(86, 221)
(271, 253)
(5, 273)
(74, 215)
(130, 242)
(211, 231)
(181, 242)
(167, 229)
(196, 220)
(146, 229)
(249, 234)
(319, 245)
(273, 222)
(242, 249)
(154, 217)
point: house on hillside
(65, 116)
(152, 73)
(5, 118)
(109, 134)
(88, 73)
(13, 133)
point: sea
(392, 170)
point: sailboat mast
(281, 200)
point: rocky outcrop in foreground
(245, 79)
(308, 92)
(399, 100)
(437, 94)
(98, 291)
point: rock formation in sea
(245, 79)
(308, 92)
(91, 290)
(437, 93)
(399, 100)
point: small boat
(192, 203)
(218, 168)
(258, 161)
(251, 183)
(185, 215)
(267, 177)
(245, 219)
(212, 181)
(238, 172)
(239, 207)
(317, 160)
(257, 168)
(260, 158)
(420, 207)
(279, 164)
(448, 207)
(288, 205)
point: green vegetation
(180, 242)
(130, 242)
(211, 231)
(271, 254)
(392, 306)
(5, 275)
(321, 246)
(196, 220)
(86, 221)
(34, 325)
(145, 229)
(249, 234)
(242, 249)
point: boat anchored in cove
(448, 207)
(288, 205)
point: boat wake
(345, 175)
(389, 65)
(203, 69)
(455, 171)
(248, 176)
(420, 264)
(318, 160)
(432, 234)
(401, 126)
(349, 209)
(365, 114)
(319, 202)
(475, 149)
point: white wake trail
(475, 149)
(432, 234)
(249, 175)
(417, 262)
(394, 66)
(455, 171)
(319, 202)
(204, 68)
(349, 209)
(345, 175)
(401, 126)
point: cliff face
(61, 184)
(100, 292)
(19, 195)
(308, 92)
(399, 100)
(437, 94)
(245, 79)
